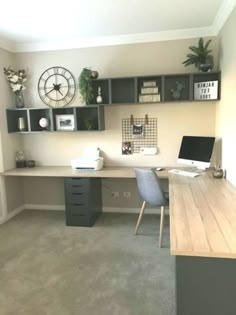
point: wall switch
(148, 150)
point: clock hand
(50, 90)
(60, 92)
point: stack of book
(149, 92)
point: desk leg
(205, 286)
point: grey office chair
(150, 190)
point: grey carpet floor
(47, 268)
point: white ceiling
(28, 25)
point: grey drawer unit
(83, 200)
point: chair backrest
(149, 187)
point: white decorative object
(206, 90)
(149, 90)
(148, 150)
(65, 122)
(149, 83)
(99, 97)
(44, 122)
(149, 98)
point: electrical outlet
(115, 194)
(126, 194)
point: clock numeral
(64, 71)
(56, 70)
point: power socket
(115, 194)
(126, 194)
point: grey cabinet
(154, 88)
(83, 200)
(84, 118)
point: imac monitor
(196, 151)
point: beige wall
(174, 120)
(226, 108)
(8, 143)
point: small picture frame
(126, 148)
(65, 122)
(138, 131)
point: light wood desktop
(202, 234)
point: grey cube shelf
(169, 88)
(86, 118)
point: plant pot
(205, 67)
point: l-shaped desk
(202, 235)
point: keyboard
(184, 173)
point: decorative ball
(43, 122)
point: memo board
(140, 132)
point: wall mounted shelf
(86, 118)
(154, 89)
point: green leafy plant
(201, 57)
(85, 84)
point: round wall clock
(56, 87)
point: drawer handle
(77, 186)
(77, 193)
(78, 204)
(76, 178)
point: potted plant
(17, 81)
(201, 57)
(85, 84)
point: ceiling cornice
(7, 45)
(115, 40)
(224, 12)
(219, 21)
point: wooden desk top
(202, 216)
(67, 171)
(202, 209)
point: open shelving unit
(120, 91)
(171, 88)
(85, 118)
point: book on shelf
(149, 83)
(149, 98)
(149, 90)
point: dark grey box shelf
(36, 114)
(86, 118)
(129, 90)
(90, 118)
(62, 111)
(206, 77)
(123, 90)
(104, 85)
(177, 88)
(144, 83)
(13, 116)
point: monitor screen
(196, 151)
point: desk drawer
(77, 198)
(75, 184)
(76, 219)
(77, 209)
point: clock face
(56, 87)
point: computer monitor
(196, 151)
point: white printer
(89, 160)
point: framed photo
(65, 122)
(126, 148)
(138, 131)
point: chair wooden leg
(161, 225)
(140, 217)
